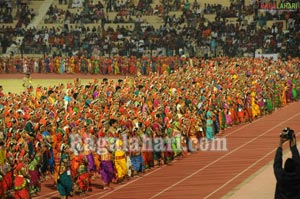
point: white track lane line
(239, 174)
(118, 188)
(222, 157)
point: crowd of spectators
(6, 12)
(185, 31)
(89, 14)
(17, 16)
(19, 11)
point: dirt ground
(13, 82)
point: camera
(287, 133)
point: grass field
(15, 85)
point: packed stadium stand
(150, 28)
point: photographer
(288, 178)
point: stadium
(86, 86)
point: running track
(205, 174)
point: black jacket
(288, 184)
